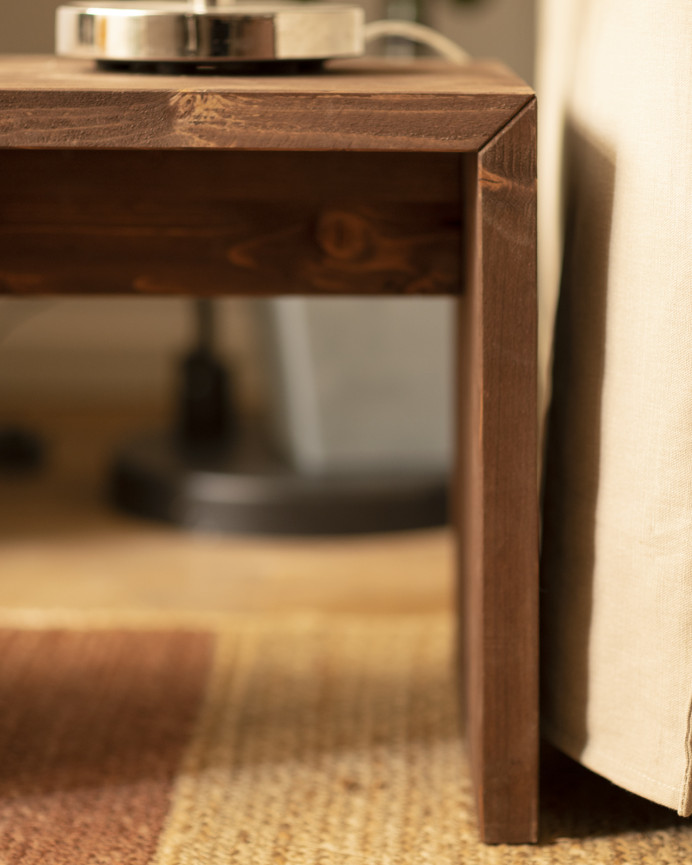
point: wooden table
(372, 178)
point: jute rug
(266, 740)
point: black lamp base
(246, 489)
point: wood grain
(498, 488)
(486, 78)
(105, 222)
(255, 208)
(357, 105)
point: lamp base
(201, 33)
(223, 67)
(246, 489)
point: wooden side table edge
(497, 487)
(497, 474)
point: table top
(370, 104)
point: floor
(64, 547)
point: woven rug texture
(279, 740)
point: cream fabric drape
(615, 109)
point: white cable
(417, 33)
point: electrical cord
(403, 29)
(420, 33)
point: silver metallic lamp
(208, 34)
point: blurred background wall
(106, 350)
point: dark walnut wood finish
(225, 222)
(497, 480)
(371, 178)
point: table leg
(497, 485)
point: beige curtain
(615, 109)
